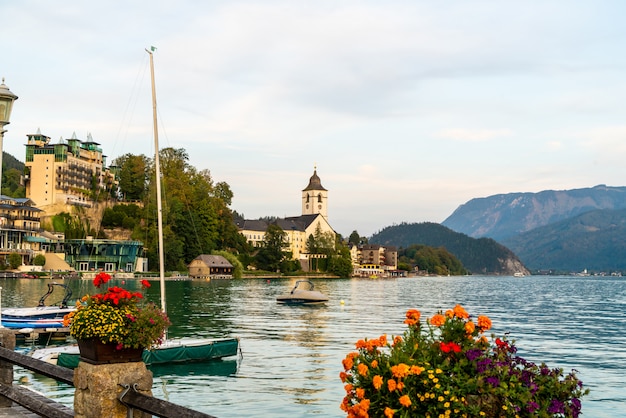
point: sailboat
(178, 350)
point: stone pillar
(98, 388)
(7, 340)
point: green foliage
(14, 260)
(196, 216)
(432, 260)
(121, 216)
(271, 254)
(479, 256)
(70, 225)
(12, 170)
(132, 174)
(39, 260)
(232, 259)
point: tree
(132, 176)
(39, 260)
(354, 238)
(15, 260)
(271, 253)
(232, 259)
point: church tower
(315, 197)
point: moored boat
(42, 315)
(172, 351)
(300, 296)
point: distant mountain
(480, 256)
(595, 240)
(506, 215)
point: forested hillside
(595, 241)
(12, 171)
(480, 256)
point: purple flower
(483, 365)
(473, 354)
(532, 406)
(493, 381)
(556, 407)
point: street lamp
(6, 104)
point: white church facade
(297, 228)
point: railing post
(99, 386)
(7, 340)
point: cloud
(474, 135)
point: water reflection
(292, 355)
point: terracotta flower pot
(93, 351)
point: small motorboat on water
(302, 296)
(42, 315)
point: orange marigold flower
(391, 385)
(469, 327)
(360, 393)
(377, 382)
(347, 362)
(450, 313)
(437, 320)
(400, 386)
(413, 314)
(397, 340)
(348, 388)
(389, 412)
(361, 344)
(374, 364)
(460, 312)
(382, 340)
(405, 401)
(362, 369)
(484, 323)
(416, 370)
(343, 376)
(401, 370)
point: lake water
(291, 356)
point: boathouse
(207, 266)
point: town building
(370, 260)
(19, 228)
(314, 220)
(68, 172)
(207, 266)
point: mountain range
(502, 216)
(564, 230)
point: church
(297, 228)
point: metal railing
(50, 409)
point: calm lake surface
(291, 356)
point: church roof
(314, 183)
(292, 223)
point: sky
(407, 109)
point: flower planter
(94, 351)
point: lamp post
(6, 104)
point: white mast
(157, 167)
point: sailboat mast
(157, 167)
